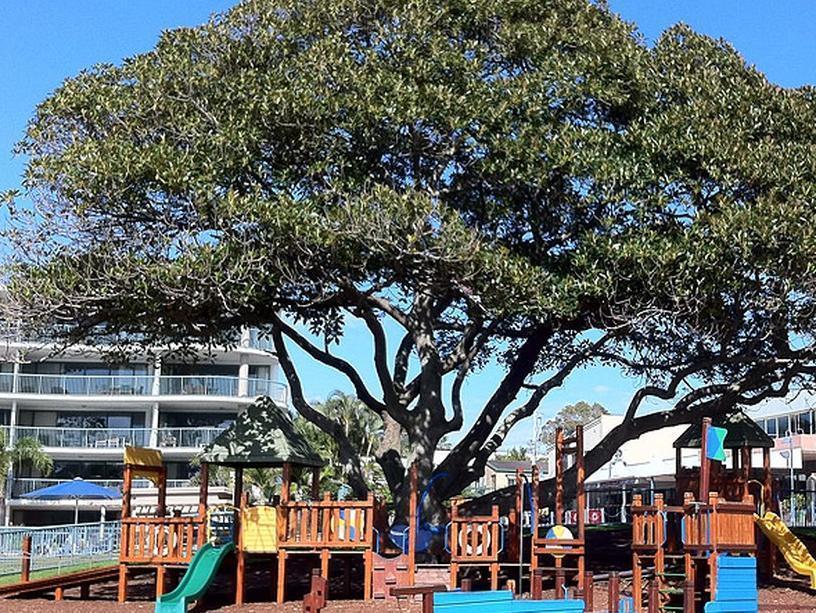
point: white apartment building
(84, 411)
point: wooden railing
(160, 540)
(326, 524)
(718, 525)
(648, 524)
(475, 538)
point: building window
(806, 422)
(783, 425)
(770, 426)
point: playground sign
(715, 445)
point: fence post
(536, 584)
(589, 588)
(614, 592)
(25, 571)
(688, 597)
(559, 583)
(654, 597)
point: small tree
(516, 454)
(580, 413)
(26, 450)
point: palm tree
(25, 450)
(362, 427)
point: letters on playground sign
(715, 446)
(593, 517)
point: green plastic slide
(196, 580)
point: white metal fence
(60, 549)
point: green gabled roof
(742, 432)
(262, 436)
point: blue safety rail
(736, 586)
(500, 601)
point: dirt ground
(785, 597)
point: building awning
(262, 436)
(743, 432)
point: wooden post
(412, 524)
(467, 585)
(203, 489)
(705, 463)
(124, 545)
(315, 483)
(280, 593)
(161, 506)
(59, 593)
(25, 570)
(559, 476)
(768, 505)
(121, 593)
(240, 554)
(368, 554)
(286, 482)
(534, 505)
(160, 572)
(654, 598)
(537, 584)
(580, 498)
(614, 592)
(588, 592)
(745, 458)
(678, 461)
(688, 597)
(560, 580)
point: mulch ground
(775, 599)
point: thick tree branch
(335, 362)
(349, 457)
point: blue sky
(46, 41)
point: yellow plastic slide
(795, 552)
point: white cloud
(601, 389)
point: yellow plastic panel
(259, 529)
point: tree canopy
(578, 414)
(515, 181)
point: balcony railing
(87, 438)
(194, 385)
(85, 385)
(22, 486)
(187, 437)
(276, 390)
(141, 385)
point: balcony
(142, 385)
(187, 437)
(193, 385)
(87, 438)
(85, 385)
(25, 485)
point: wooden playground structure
(679, 545)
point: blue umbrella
(77, 489)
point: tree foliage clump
(578, 414)
(516, 182)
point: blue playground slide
(196, 580)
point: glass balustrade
(142, 385)
(87, 438)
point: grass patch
(47, 573)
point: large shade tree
(523, 183)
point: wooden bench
(736, 586)
(426, 591)
(500, 601)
